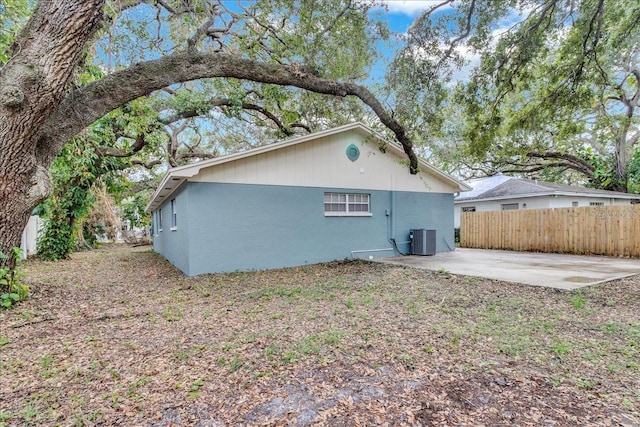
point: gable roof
(482, 185)
(176, 176)
(498, 187)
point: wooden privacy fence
(601, 230)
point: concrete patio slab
(540, 269)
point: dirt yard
(117, 336)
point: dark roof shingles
(520, 187)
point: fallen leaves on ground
(117, 336)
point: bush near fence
(597, 230)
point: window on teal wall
(347, 204)
(159, 219)
(174, 215)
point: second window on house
(347, 204)
(174, 215)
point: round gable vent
(353, 152)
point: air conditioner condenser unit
(423, 241)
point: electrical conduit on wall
(392, 225)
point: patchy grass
(117, 336)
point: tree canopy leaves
(554, 92)
(561, 90)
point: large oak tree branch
(87, 104)
(579, 164)
(147, 165)
(548, 159)
(226, 102)
(139, 142)
(138, 145)
(537, 167)
(195, 155)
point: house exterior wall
(237, 227)
(566, 201)
(170, 241)
(542, 202)
(323, 163)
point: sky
(402, 13)
(410, 7)
(399, 17)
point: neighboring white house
(501, 192)
(30, 236)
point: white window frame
(349, 202)
(468, 209)
(596, 203)
(160, 220)
(154, 223)
(174, 215)
(509, 207)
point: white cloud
(471, 57)
(458, 74)
(472, 60)
(514, 18)
(411, 7)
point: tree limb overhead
(86, 104)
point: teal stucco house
(336, 194)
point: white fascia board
(435, 171)
(424, 166)
(427, 168)
(598, 195)
(167, 187)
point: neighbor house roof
(500, 187)
(176, 176)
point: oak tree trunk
(32, 84)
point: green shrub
(11, 289)
(57, 240)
